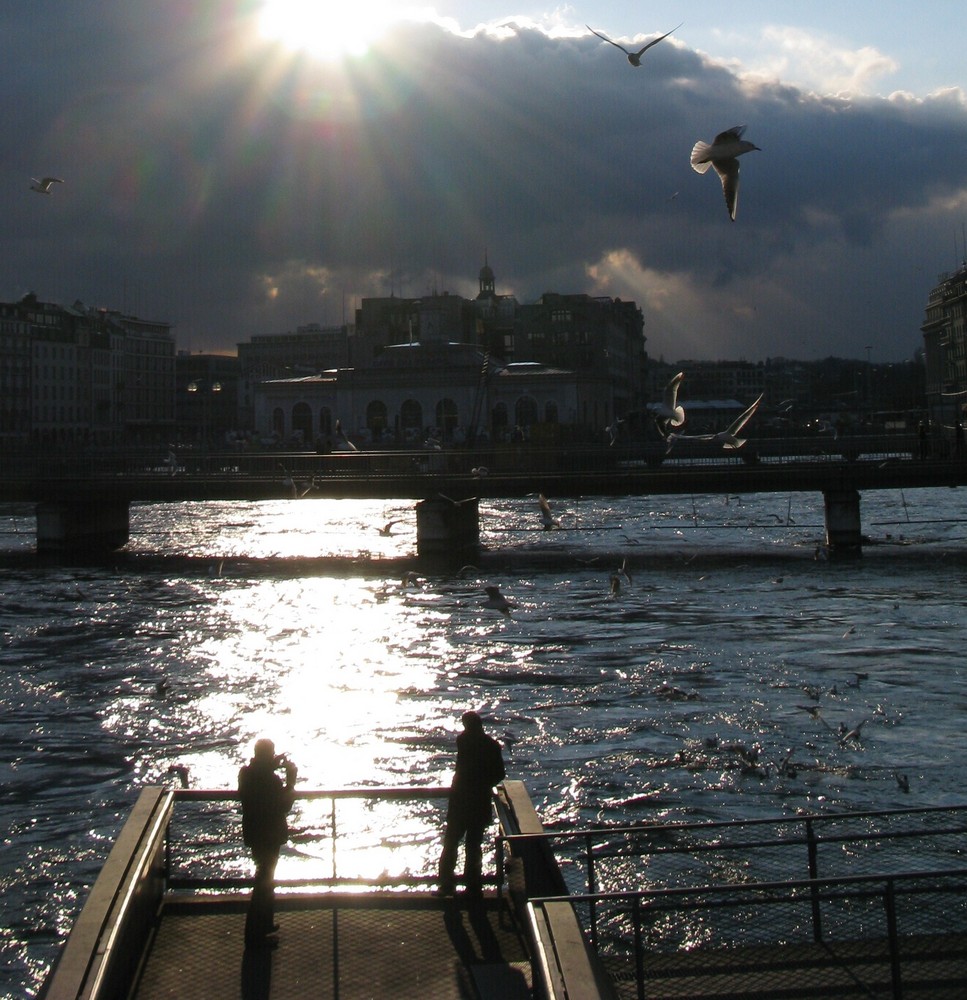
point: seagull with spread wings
(42, 185)
(633, 57)
(723, 154)
(729, 438)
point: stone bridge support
(82, 526)
(844, 538)
(447, 532)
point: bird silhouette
(633, 57)
(42, 185)
(497, 601)
(729, 438)
(722, 154)
(387, 529)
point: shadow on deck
(345, 946)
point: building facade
(945, 352)
(76, 375)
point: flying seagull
(668, 410)
(497, 601)
(548, 520)
(42, 185)
(633, 57)
(729, 438)
(723, 154)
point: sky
(241, 167)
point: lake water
(611, 707)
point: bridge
(82, 501)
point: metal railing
(204, 849)
(881, 936)
(680, 890)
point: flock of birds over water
(721, 154)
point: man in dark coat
(479, 767)
(266, 802)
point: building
(945, 352)
(206, 399)
(76, 375)
(312, 348)
(466, 369)
(417, 393)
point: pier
(846, 905)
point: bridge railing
(691, 855)
(506, 459)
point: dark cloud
(234, 189)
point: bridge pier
(82, 526)
(447, 532)
(844, 538)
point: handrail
(648, 908)
(180, 877)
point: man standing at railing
(266, 802)
(480, 765)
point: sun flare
(328, 31)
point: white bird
(42, 185)
(548, 521)
(633, 57)
(722, 154)
(497, 601)
(729, 438)
(296, 490)
(479, 471)
(669, 410)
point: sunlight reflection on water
(611, 710)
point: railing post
(332, 832)
(813, 875)
(639, 947)
(592, 889)
(889, 901)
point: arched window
(446, 417)
(302, 422)
(550, 412)
(376, 418)
(525, 412)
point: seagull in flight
(387, 529)
(723, 154)
(729, 438)
(633, 57)
(548, 520)
(42, 185)
(497, 601)
(668, 410)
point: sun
(330, 30)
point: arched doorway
(302, 423)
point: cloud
(236, 188)
(816, 62)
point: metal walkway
(340, 947)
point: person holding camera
(266, 801)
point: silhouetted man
(266, 802)
(480, 766)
